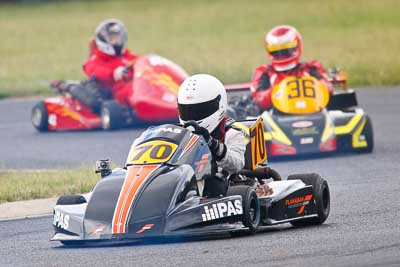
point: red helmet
(283, 44)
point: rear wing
(343, 100)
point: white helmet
(111, 37)
(202, 98)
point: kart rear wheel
(369, 137)
(111, 115)
(40, 116)
(251, 206)
(71, 200)
(321, 198)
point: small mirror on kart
(103, 167)
(338, 78)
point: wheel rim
(36, 117)
(105, 119)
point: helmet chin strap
(118, 49)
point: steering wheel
(192, 123)
(198, 129)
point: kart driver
(111, 63)
(284, 46)
(202, 98)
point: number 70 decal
(257, 144)
(151, 152)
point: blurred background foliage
(46, 40)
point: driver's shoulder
(263, 69)
(231, 130)
(313, 64)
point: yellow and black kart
(305, 119)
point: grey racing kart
(159, 193)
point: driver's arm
(233, 161)
(261, 87)
(94, 67)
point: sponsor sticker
(164, 130)
(302, 124)
(99, 229)
(301, 104)
(264, 190)
(52, 119)
(201, 163)
(222, 210)
(298, 201)
(167, 97)
(306, 131)
(306, 140)
(157, 60)
(145, 228)
(61, 220)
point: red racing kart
(156, 82)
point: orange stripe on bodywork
(191, 142)
(135, 177)
(62, 111)
(301, 210)
(308, 198)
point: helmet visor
(285, 53)
(115, 39)
(284, 50)
(113, 34)
(199, 111)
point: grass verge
(25, 185)
(46, 40)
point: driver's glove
(217, 148)
(121, 73)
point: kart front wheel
(251, 206)
(321, 197)
(39, 117)
(111, 115)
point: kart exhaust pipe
(262, 173)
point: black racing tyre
(321, 198)
(369, 137)
(111, 115)
(40, 117)
(251, 206)
(71, 200)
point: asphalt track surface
(362, 230)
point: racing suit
(266, 77)
(230, 161)
(102, 67)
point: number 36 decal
(151, 152)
